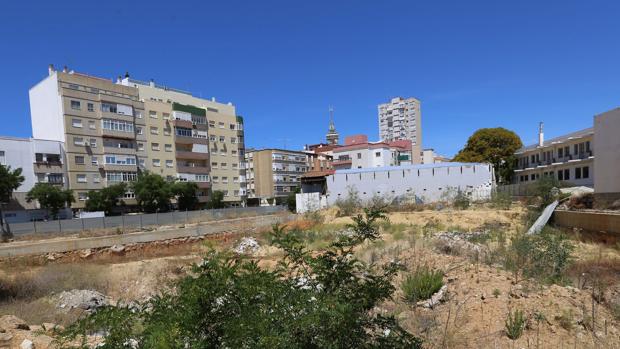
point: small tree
(106, 199)
(9, 181)
(185, 193)
(515, 324)
(50, 198)
(216, 200)
(153, 192)
(291, 200)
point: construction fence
(140, 221)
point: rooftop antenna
(284, 141)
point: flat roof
(409, 167)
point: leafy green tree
(9, 181)
(216, 200)
(106, 199)
(51, 198)
(310, 300)
(291, 200)
(494, 145)
(153, 192)
(185, 193)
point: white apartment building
(569, 158)
(357, 152)
(401, 119)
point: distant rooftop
(560, 139)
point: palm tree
(9, 181)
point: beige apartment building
(98, 121)
(401, 119)
(194, 139)
(274, 173)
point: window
(378, 154)
(120, 160)
(82, 196)
(202, 178)
(578, 173)
(585, 171)
(91, 107)
(156, 162)
(81, 178)
(560, 175)
(169, 163)
(185, 132)
(233, 152)
(139, 114)
(108, 107)
(96, 178)
(154, 130)
(212, 124)
(212, 138)
(220, 124)
(140, 146)
(94, 161)
(79, 160)
(152, 114)
(223, 165)
(224, 179)
(76, 105)
(232, 126)
(117, 125)
(168, 147)
(233, 140)
(222, 151)
(120, 176)
(359, 155)
(235, 179)
(155, 146)
(222, 139)
(566, 174)
(167, 132)
(78, 141)
(93, 143)
(91, 124)
(575, 149)
(76, 123)
(561, 153)
(139, 130)
(165, 116)
(235, 165)
(216, 179)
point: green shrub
(422, 284)
(461, 201)
(351, 204)
(497, 292)
(566, 319)
(311, 299)
(515, 324)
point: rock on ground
(247, 245)
(83, 299)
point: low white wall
(422, 183)
(307, 202)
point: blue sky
(282, 63)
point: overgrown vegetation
(50, 197)
(545, 256)
(351, 204)
(422, 283)
(311, 300)
(10, 180)
(461, 201)
(216, 200)
(515, 324)
(501, 200)
(106, 199)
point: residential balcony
(342, 162)
(190, 140)
(203, 185)
(192, 169)
(192, 155)
(47, 166)
(120, 168)
(182, 123)
(117, 134)
(119, 151)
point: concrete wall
(424, 183)
(590, 221)
(18, 154)
(46, 110)
(241, 225)
(607, 152)
(308, 202)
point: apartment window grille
(76, 105)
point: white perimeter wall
(46, 110)
(424, 183)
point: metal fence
(518, 189)
(140, 221)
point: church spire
(332, 135)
